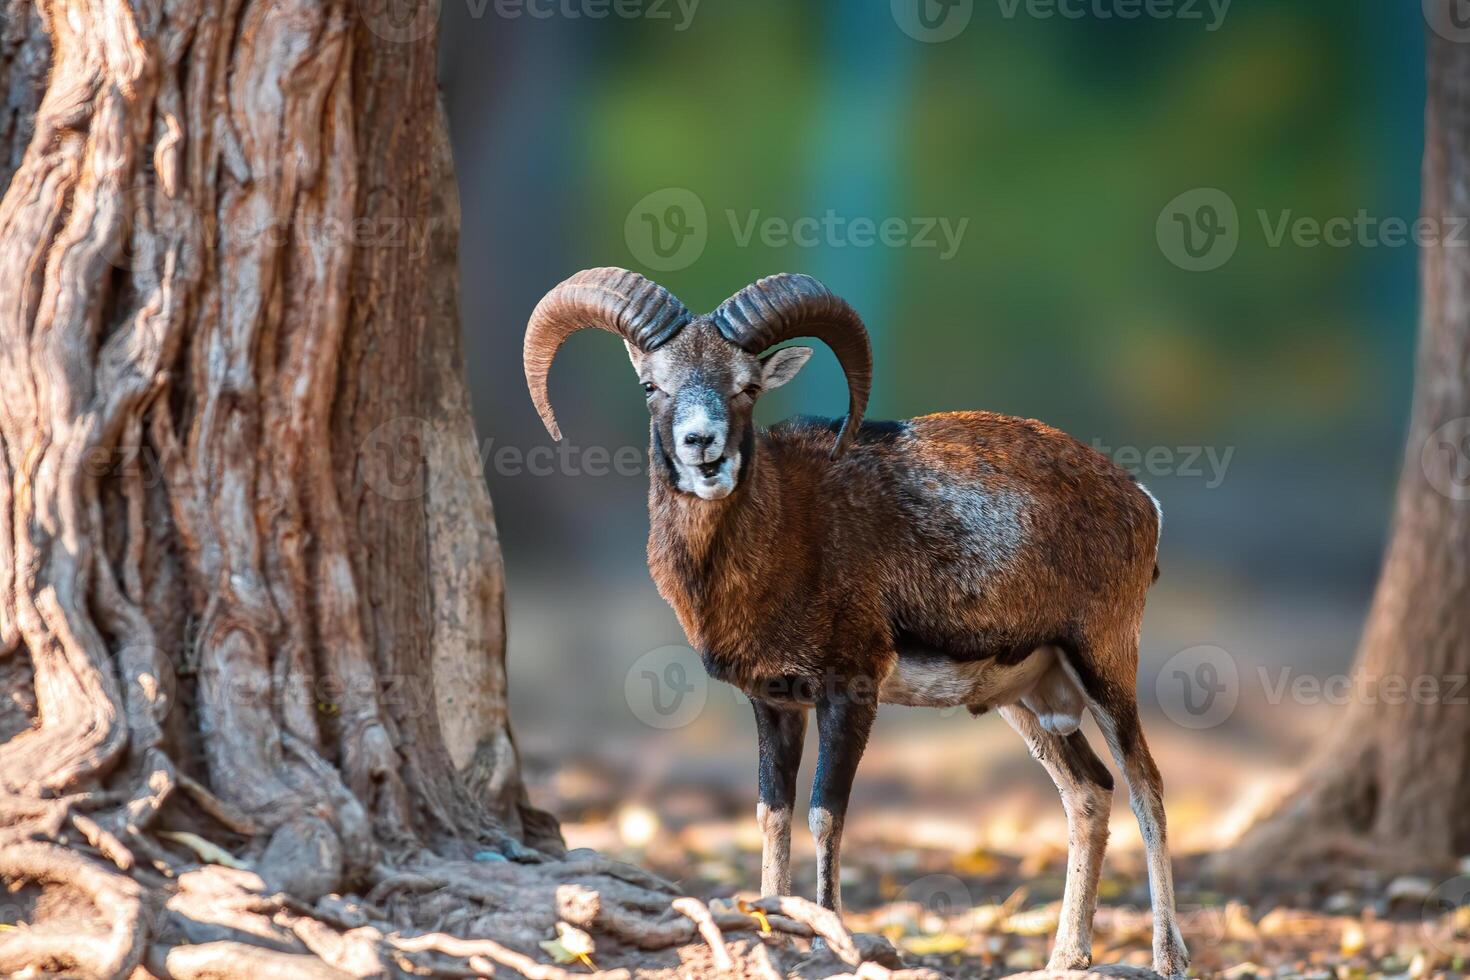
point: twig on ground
(696, 910)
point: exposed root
(495, 952)
(104, 841)
(824, 922)
(227, 815)
(425, 917)
(697, 911)
(115, 902)
(231, 960)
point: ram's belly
(929, 680)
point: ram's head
(702, 375)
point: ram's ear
(779, 367)
(634, 355)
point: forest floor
(971, 887)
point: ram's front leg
(844, 719)
(780, 732)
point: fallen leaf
(575, 940)
(977, 862)
(942, 942)
(1238, 924)
(208, 852)
(1023, 959)
(1035, 922)
(571, 945)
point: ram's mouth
(711, 470)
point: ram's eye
(750, 391)
(649, 388)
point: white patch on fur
(1158, 507)
(829, 853)
(1171, 956)
(1087, 806)
(716, 487)
(943, 682)
(990, 525)
(1056, 702)
(775, 826)
(694, 419)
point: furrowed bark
(1391, 787)
(227, 259)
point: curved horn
(785, 306)
(639, 310)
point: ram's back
(978, 529)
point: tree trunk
(249, 574)
(251, 632)
(1391, 787)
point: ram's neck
(707, 556)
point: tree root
(113, 898)
(698, 912)
(94, 911)
(231, 960)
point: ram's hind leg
(1086, 787)
(1107, 681)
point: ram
(964, 558)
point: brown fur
(815, 568)
(965, 558)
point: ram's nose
(700, 439)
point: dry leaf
(977, 862)
(1035, 922)
(1238, 924)
(941, 942)
(571, 945)
(208, 852)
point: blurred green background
(1271, 391)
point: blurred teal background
(1055, 144)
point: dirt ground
(966, 876)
